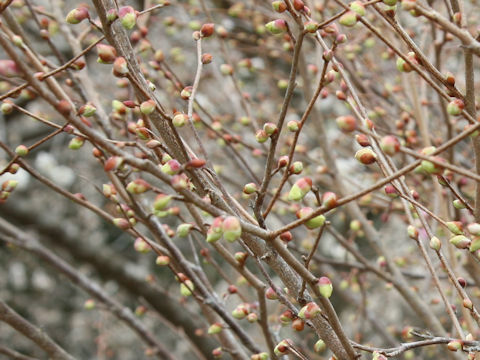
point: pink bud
(113, 163)
(77, 15)
(127, 16)
(232, 229)
(329, 200)
(277, 26)
(300, 189)
(270, 294)
(171, 167)
(120, 67)
(106, 53)
(390, 145)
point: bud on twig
(127, 16)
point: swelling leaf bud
(277, 26)
(325, 287)
(300, 189)
(127, 16)
(460, 241)
(232, 229)
(77, 15)
(366, 156)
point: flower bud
(76, 143)
(403, 66)
(141, 246)
(87, 110)
(366, 156)
(467, 304)
(282, 161)
(300, 189)
(179, 119)
(64, 107)
(435, 243)
(270, 128)
(455, 345)
(186, 288)
(215, 230)
(77, 15)
(348, 19)
(312, 223)
(346, 123)
(184, 229)
(106, 53)
(391, 192)
(226, 69)
(186, 92)
(180, 182)
(113, 163)
(162, 260)
(261, 136)
(460, 241)
(270, 294)
(215, 328)
(171, 167)
(390, 2)
(457, 204)
(6, 107)
(9, 185)
(89, 304)
(276, 26)
(147, 107)
(217, 353)
(241, 257)
(412, 232)
(362, 140)
(127, 16)
(474, 229)
(207, 30)
(207, 58)
(298, 5)
(262, 355)
(120, 68)
(121, 223)
(252, 317)
(286, 236)
(296, 168)
(390, 145)
(112, 15)
(329, 200)
(309, 311)
(456, 227)
(21, 150)
(358, 7)
(9, 68)
(138, 186)
(161, 201)
(319, 346)
(232, 229)
(475, 245)
(292, 126)
(250, 188)
(450, 78)
(325, 287)
(240, 312)
(279, 6)
(195, 163)
(282, 347)
(298, 325)
(311, 26)
(455, 107)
